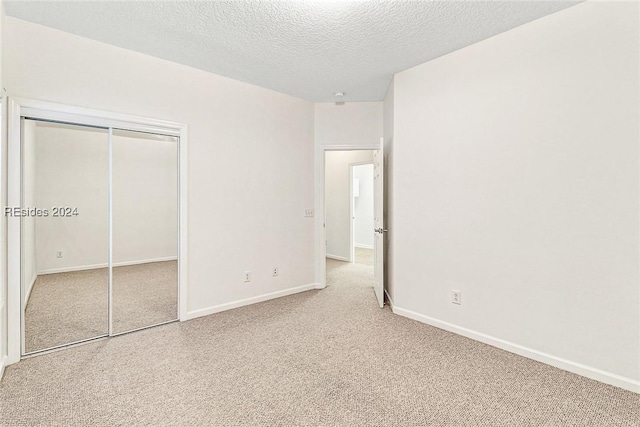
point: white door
(378, 211)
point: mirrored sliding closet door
(99, 232)
(145, 230)
(64, 234)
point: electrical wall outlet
(59, 254)
(274, 271)
(247, 276)
(456, 297)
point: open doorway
(349, 218)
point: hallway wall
(363, 223)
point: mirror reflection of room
(145, 229)
(65, 259)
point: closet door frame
(43, 110)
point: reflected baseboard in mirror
(69, 307)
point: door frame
(320, 207)
(18, 107)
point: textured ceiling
(309, 49)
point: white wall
(353, 125)
(145, 197)
(516, 182)
(338, 199)
(363, 207)
(71, 170)
(250, 154)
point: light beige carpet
(319, 358)
(364, 256)
(69, 307)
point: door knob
(380, 230)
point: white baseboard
(363, 246)
(558, 362)
(248, 301)
(338, 257)
(105, 265)
(389, 299)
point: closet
(99, 231)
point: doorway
(322, 175)
(95, 207)
(349, 212)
